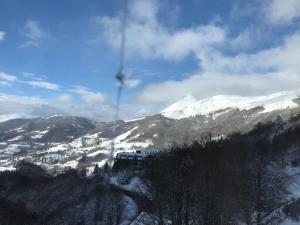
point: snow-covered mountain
(30, 138)
(189, 106)
(60, 141)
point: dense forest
(238, 180)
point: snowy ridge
(134, 120)
(189, 106)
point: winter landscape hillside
(251, 175)
(64, 151)
(149, 112)
(60, 141)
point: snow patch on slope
(134, 120)
(123, 142)
(16, 138)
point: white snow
(97, 153)
(133, 145)
(294, 184)
(217, 114)
(136, 185)
(129, 211)
(39, 134)
(95, 135)
(50, 117)
(11, 149)
(8, 168)
(290, 222)
(20, 129)
(144, 218)
(58, 148)
(102, 163)
(218, 138)
(125, 135)
(133, 120)
(53, 156)
(122, 143)
(16, 138)
(189, 106)
(72, 164)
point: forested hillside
(247, 179)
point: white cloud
(33, 33)
(144, 11)
(79, 89)
(132, 83)
(32, 80)
(4, 117)
(281, 58)
(4, 83)
(249, 37)
(282, 11)
(265, 72)
(89, 97)
(206, 85)
(147, 37)
(32, 30)
(42, 84)
(12, 106)
(86, 103)
(32, 76)
(7, 77)
(65, 98)
(258, 72)
(2, 35)
(94, 98)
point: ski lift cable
(123, 36)
(120, 78)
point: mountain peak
(179, 106)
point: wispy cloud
(33, 33)
(32, 80)
(2, 35)
(132, 83)
(7, 79)
(42, 84)
(33, 76)
(78, 101)
(282, 11)
(13, 106)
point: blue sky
(60, 57)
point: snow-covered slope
(189, 106)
